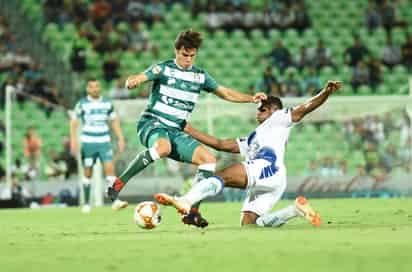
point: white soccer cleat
(182, 206)
(306, 211)
(119, 204)
(86, 208)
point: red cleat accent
(118, 184)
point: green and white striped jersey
(95, 114)
(175, 91)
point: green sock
(200, 175)
(86, 192)
(142, 160)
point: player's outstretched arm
(235, 96)
(300, 111)
(135, 80)
(229, 145)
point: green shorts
(150, 130)
(91, 151)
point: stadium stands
(238, 68)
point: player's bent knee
(163, 147)
(248, 218)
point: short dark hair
(272, 101)
(188, 39)
(91, 79)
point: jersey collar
(181, 68)
(94, 100)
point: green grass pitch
(356, 235)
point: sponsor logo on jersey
(170, 101)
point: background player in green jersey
(176, 86)
(95, 112)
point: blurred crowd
(113, 26)
(235, 14)
(300, 75)
(37, 163)
(19, 69)
(385, 145)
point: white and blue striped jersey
(94, 115)
(268, 140)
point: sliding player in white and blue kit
(95, 112)
(263, 173)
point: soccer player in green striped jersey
(176, 85)
(95, 112)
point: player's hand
(74, 147)
(132, 82)
(259, 97)
(121, 144)
(333, 86)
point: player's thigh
(234, 176)
(202, 155)
(183, 146)
(160, 140)
(149, 130)
(89, 154)
(260, 202)
(105, 152)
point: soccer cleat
(114, 189)
(86, 208)
(195, 219)
(305, 210)
(119, 204)
(181, 206)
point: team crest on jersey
(156, 69)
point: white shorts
(263, 190)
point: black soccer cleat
(113, 189)
(195, 219)
(112, 193)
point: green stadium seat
(364, 90)
(274, 35)
(382, 90)
(51, 32)
(257, 34)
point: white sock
(204, 188)
(86, 181)
(110, 180)
(208, 167)
(153, 153)
(278, 218)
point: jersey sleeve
(78, 111)
(210, 84)
(112, 113)
(154, 72)
(242, 143)
(282, 117)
